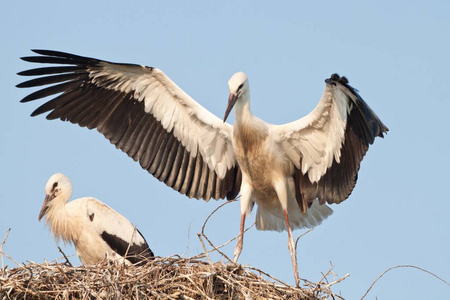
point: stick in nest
(216, 248)
(3, 252)
(1, 247)
(65, 257)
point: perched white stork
(290, 171)
(96, 230)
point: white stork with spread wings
(97, 230)
(290, 171)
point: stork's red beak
(44, 207)
(231, 102)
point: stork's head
(57, 191)
(238, 86)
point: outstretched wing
(146, 115)
(117, 231)
(328, 145)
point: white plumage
(290, 171)
(96, 230)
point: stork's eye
(54, 186)
(240, 87)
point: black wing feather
(136, 254)
(51, 70)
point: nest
(171, 277)
(161, 278)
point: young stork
(96, 230)
(290, 171)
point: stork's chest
(251, 150)
(249, 140)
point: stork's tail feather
(312, 218)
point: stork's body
(96, 230)
(267, 173)
(290, 171)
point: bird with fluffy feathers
(96, 230)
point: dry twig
(402, 266)
(1, 248)
(65, 257)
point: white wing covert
(146, 115)
(328, 145)
(117, 231)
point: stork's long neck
(249, 132)
(58, 218)
(242, 112)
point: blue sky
(395, 53)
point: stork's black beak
(231, 102)
(44, 207)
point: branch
(402, 266)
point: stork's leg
(282, 189)
(291, 246)
(240, 242)
(246, 207)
